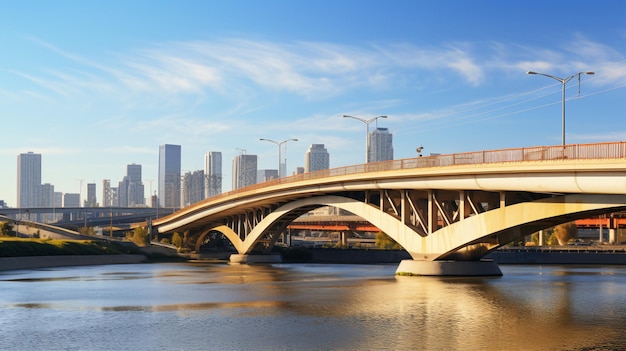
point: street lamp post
(563, 82)
(367, 132)
(279, 144)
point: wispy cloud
(237, 69)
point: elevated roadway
(447, 211)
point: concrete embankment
(606, 256)
(33, 262)
(357, 256)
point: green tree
(564, 232)
(6, 229)
(177, 240)
(140, 236)
(86, 231)
(383, 241)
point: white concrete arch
(475, 228)
(229, 234)
(404, 235)
(447, 239)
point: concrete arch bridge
(447, 211)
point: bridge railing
(609, 150)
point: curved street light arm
(563, 83)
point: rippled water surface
(214, 306)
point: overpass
(447, 211)
(77, 217)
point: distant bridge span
(440, 208)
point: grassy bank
(18, 247)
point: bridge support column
(271, 258)
(449, 268)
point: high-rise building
(193, 187)
(169, 175)
(263, 175)
(380, 145)
(91, 195)
(46, 195)
(212, 173)
(28, 179)
(244, 170)
(316, 158)
(107, 193)
(45, 199)
(71, 200)
(130, 190)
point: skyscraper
(193, 187)
(380, 145)
(107, 193)
(263, 175)
(316, 158)
(213, 173)
(91, 196)
(131, 189)
(28, 179)
(244, 170)
(169, 175)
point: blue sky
(94, 86)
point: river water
(217, 306)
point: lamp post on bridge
(563, 83)
(279, 144)
(367, 132)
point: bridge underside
(432, 225)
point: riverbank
(17, 253)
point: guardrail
(609, 150)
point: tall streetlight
(279, 144)
(367, 131)
(563, 82)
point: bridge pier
(449, 268)
(271, 258)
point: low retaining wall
(357, 256)
(31, 262)
(548, 257)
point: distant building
(130, 191)
(212, 173)
(169, 175)
(192, 187)
(244, 170)
(263, 175)
(46, 199)
(380, 145)
(316, 158)
(91, 201)
(3, 204)
(299, 170)
(71, 200)
(28, 179)
(107, 193)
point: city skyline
(450, 75)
